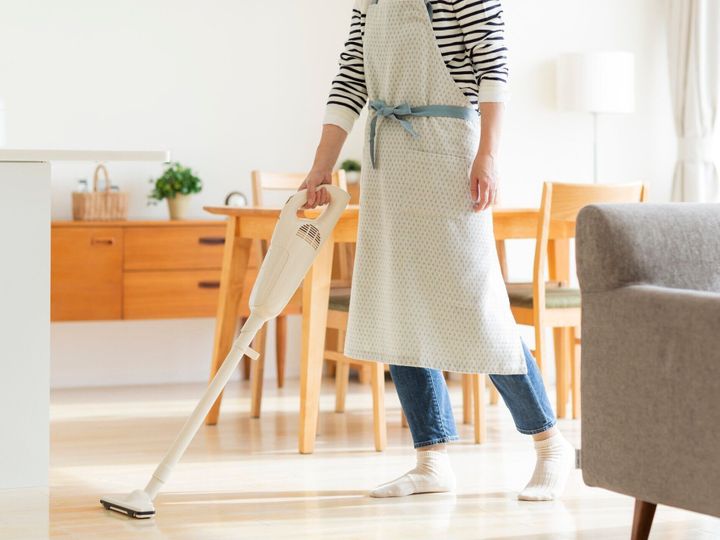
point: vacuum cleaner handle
(339, 199)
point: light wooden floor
(244, 479)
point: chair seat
(521, 295)
(556, 297)
(339, 301)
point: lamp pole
(595, 147)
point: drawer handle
(208, 284)
(211, 240)
(103, 241)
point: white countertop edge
(41, 156)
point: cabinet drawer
(86, 273)
(174, 248)
(171, 294)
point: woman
(427, 291)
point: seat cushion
(556, 297)
(339, 301)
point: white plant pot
(178, 206)
(352, 176)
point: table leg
(235, 262)
(316, 292)
(559, 270)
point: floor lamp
(600, 82)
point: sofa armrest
(651, 395)
(671, 245)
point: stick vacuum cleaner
(294, 244)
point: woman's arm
(484, 36)
(347, 98)
(484, 175)
(331, 142)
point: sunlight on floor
(245, 479)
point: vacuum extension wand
(293, 247)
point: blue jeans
(426, 402)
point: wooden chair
(286, 183)
(337, 320)
(556, 305)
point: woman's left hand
(483, 182)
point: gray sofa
(650, 281)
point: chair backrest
(559, 208)
(564, 201)
(263, 181)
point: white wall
(229, 86)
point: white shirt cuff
(340, 116)
(493, 92)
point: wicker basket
(97, 205)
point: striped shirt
(471, 38)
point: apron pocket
(447, 136)
(435, 184)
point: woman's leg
(426, 402)
(530, 407)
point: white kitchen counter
(25, 306)
(43, 156)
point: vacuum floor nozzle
(137, 505)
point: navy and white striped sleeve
(483, 29)
(348, 94)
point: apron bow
(383, 110)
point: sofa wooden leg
(642, 520)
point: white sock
(555, 460)
(432, 474)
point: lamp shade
(600, 82)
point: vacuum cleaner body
(294, 244)
(293, 247)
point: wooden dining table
(246, 225)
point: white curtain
(694, 57)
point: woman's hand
(331, 142)
(316, 195)
(483, 182)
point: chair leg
(494, 394)
(364, 374)
(280, 348)
(540, 351)
(245, 372)
(467, 398)
(478, 386)
(562, 348)
(575, 374)
(642, 520)
(342, 375)
(377, 380)
(403, 419)
(258, 373)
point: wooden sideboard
(135, 269)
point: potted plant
(352, 170)
(176, 185)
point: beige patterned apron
(427, 290)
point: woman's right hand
(316, 195)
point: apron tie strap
(382, 109)
(396, 113)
